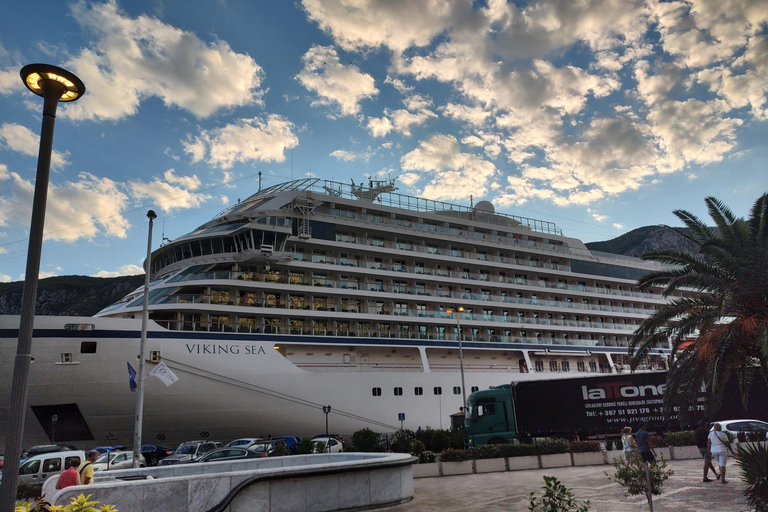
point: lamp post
(144, 319)
(54, 420)
(54, 85)
(461, 354)
(327, 411)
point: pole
(648, 486)
(461, 364)
(144, 319)
(52, 91)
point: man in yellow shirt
(86, 468)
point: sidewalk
(509, 491)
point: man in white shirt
(719, 445)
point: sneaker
(706, 480)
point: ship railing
(360, 367)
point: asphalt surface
(509, 491)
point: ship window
(398, 391)
(438, 390)
(565, 366)
(376, 391)
(418, 390)
(539, 366)
(66, 357)
(88, 347)
(592, 366)
(553, 366)
(474, 388)
(456, 390)
(580, 366)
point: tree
(718, 320)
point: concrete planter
(521, 463)
(664, 452)
(464, 467)
(588, 459)
(490, 465)
(685, 452)
(426, 470)
(555, 460)
(611, 455)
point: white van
(37, 469)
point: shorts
(720, 457)
(705, 453)
(648, 457)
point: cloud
(618, 226)
(344, 155)
(5, 278)
(247, 140)
(134, 59)
(22, 140)
(171, 193)
(335, 83)
(379, 126)
(450, 174)
(78, 209)
(125, 270)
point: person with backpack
(69, 477)
(719, 445)
(85, 470)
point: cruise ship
(316, 293)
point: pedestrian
(628, 444)
(719, 445)
(644, 445)
(85, 470)
(702, 433)
(70, 476)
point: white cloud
(598, 217)
(22, 140)
(618, 226)
(379, 126)
(335, 83)
(247, 140)
(5, 278)
(125, 270)
(133, 59)
(344, 155)
(172, 193)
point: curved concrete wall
(298, 483)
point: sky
(600, 116)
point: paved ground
(509, 491)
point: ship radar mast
(374, 189)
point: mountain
(645, 239)
(69, 295)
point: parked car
(292, 442)
(267, 448)
(36, 469)
(244, 442)
(330, 444)
(117, 460)
(225, 454)
(733, 427)
(2, 460)
(189, 450)
(46, 448)
(106, 449)
(154, 453)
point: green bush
(658, 441)
(556, 498)
(630, 473)
(585, 446)
(25, 491)
(684, 438)
(550, 446)
(451, 455)
(439, 441)
(426, 457)
(305, 447)
(486, 451)
(402, 441)
(753, 463)
(517, 450)
(79, 504)
(281, 450)
(366, 440)
(417, 447)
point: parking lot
(509, 491)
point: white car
(733, 427)
(117, 460)
(244, 442)
(330, 445)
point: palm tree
(718, 320)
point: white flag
(165, 374)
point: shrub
(426, 457)
(549, 446)
(630, 473)
(366, 440)
(753, 463)
(486, 451)
(305, 447)
(517, 450)
(402, 441)
(585, 446)
(684, 438)
(439, 441)
(280, 450)
(79, 504)
(658, 441)
(451, 455)
(25, 491)
(556, 498)
(609, 444)
(417, 447)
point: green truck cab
(490, 417)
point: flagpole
(144, 319)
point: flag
(132, 377)
(165, 374)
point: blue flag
(132, 377)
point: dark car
(291, 442)
(225, 454)
(154, 453)
(46, 448)
(189, 450)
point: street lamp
(327, 411)
(151, 215)
(54, 85)
(461, 353)
(54, 420)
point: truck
(591, 407)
